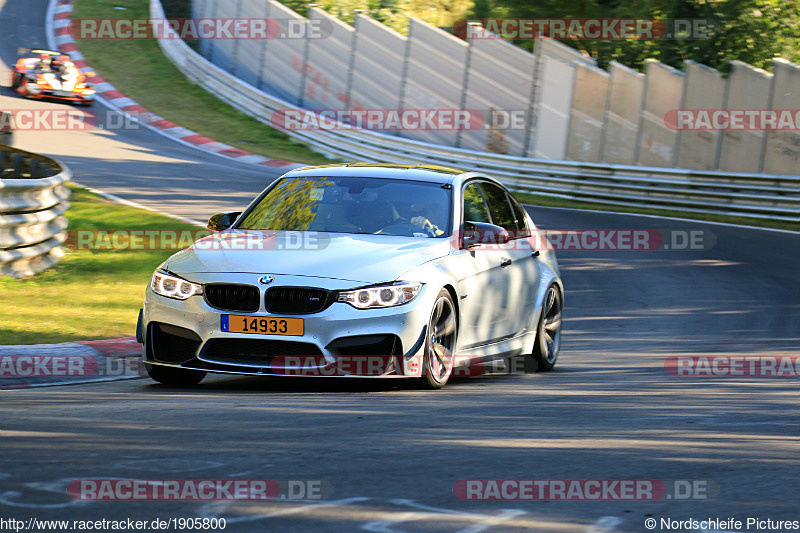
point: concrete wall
(704, 89)
(662, 93)
(328, 62)
(618, 145)
(500, 77)
(434, 78)
(555, 104)
(589, 101)
(379, 60)
(782, 150)
(748, 88)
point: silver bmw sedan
(359, 270)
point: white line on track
(294, 510)
(130, 203)
(483, 521)
(604, 524)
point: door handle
(535, 253)
(505, 262)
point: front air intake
(297, 300)
(229, 297)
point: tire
(22, 87)
(16, 80)
(440, 343)
(548, 334)
(176, 377)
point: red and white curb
(59, 36)
(70, 363)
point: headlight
(174, 287)
(388, 295)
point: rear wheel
(16, 80)
(440, 344)
(176, 377)
(548, 334)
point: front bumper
(34, 91)
(338, 341)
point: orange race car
(48, 74)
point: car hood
(359, 258)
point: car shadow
(298, 384)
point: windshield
(353, 205)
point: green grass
(139, 69)
(551, 201)
(90, 294)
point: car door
(484, 281)
(519, 272)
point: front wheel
(176, 377)
(22, 87)
(548, 334)
(440, 342)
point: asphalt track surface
(389, 456)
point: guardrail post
(530, 125)
(35, 169)
(19, 162)
(464, 90)
(351, 63)
(211, 43)
(235, 53)
(263, 56)
(770, 103)
(304, 71)
(404, 74)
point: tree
(753, 31)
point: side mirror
(222, 221)
(477, 233)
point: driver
(63, 63)
(422, 214)
(44, 62)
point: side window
(474, 206)
(519, 214)
(499, 208)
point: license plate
(261, 325)
(62, 93)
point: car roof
(428, 173)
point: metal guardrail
(33, 199)
(772, 196)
